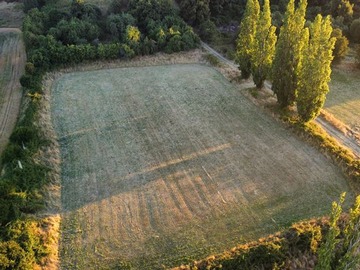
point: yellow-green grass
(343, 100)
(168, 164)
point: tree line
(81, 32)
(298, 61)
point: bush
(355, 30)
(341, 45)
(358, 56)
(29, 68)
(24, 134)
(213, 60)
(208, 31)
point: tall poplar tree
(315, 69)
(245, 41)
(264, 47)
(287, 53)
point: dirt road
(346, 140)
(12, 62)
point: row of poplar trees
(297, 61)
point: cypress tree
(245, 41)
(264, 47)
(287, 54)
(315, 69)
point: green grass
(168, 164)
(343, 100)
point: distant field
(12, 61)
(162, 165)
(11, 14)
(343, 100)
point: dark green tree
(195, 12)
(287, 54)
(246, 38)
(315, 69)
(264, 47)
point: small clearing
(166, 164)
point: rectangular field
(166, 164)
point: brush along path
(12, 62)
(162, 165)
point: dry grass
(343, 100)
(166, 164)
(11, 14)
(12, 62)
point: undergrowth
(328, 145)
(22, 182)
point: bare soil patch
(12, 62)
(166, 164)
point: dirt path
(344, 139)
(12, 62)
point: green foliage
(21, 185)
(147, 10)
(25, 247)
(116, 25)
(287, 53)
(208, 31)
(355, 30)
(358, 56)
(341, 45)
(264, 47)
(71, 35)
(315, 69)
(327, 249)
(342, 8)
(246, 38)
(195, 12)
(213, 60)
(75, 31)
(118, 6)
(351, 243)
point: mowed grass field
(343, 100)
(166, 164)
(12, 62)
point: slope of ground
(162, 165)
(12, 61)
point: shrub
(29, 68)
(341, 45)
(24, 134)
(208, 31)
(355, 30)
(213, 60)
(12, 152)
